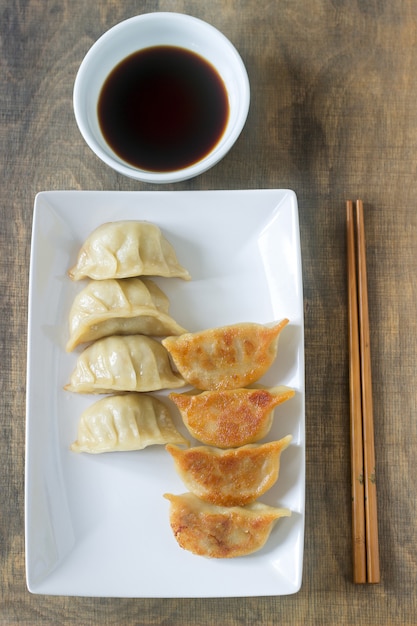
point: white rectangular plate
(98, 525)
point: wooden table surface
(333, 116)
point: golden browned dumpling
(234, 477)
(127, 248)
(129, 422)
(227, 357)
(128, 306)
(221, 532)
(230, 418)
(117, 363)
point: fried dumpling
(117, 363)
(233, 477)
(230, 418)
(227, 357)
(124, 249)
(127, 306)
(221, 532)
(128, 422)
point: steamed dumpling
(233, 477)
(221, 532)
(227, 357)
(129, 422)
(124, 249)
(230, 418)
(117, 363)
(120, 307)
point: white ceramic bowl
(155, 29)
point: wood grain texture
(333, 116)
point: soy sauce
(163, 108)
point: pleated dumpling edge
(119, 307)
(123, 363)
(125, 423)
(124, 249)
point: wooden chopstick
(364, 504)
(371, 517)
(356, 437)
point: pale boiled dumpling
(117, 363)
(227, 357)
(230, 418)
(233, 477)
(127, 248)
(120, 307)
(128, 422)
(221, 532)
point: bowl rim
(109, 157)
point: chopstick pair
(363, 476)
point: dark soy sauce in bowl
(163, 108)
